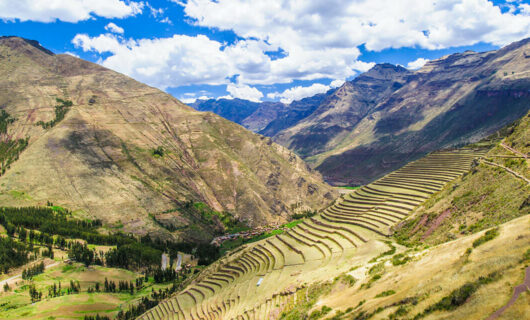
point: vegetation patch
(61, 109)
(9, 149)
(385, 293)
(459, 296)
(489, 235)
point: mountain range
(389, 115)
(90, 139)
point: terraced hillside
(256, 280)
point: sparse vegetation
(489, 235)
(61, 109)
(385, 293)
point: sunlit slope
(99, 158)
(345, 235)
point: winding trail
(3, 282)
(516, 292)
(514, 150)
(507, 169)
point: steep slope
(126, 152)
(454, 100)
(342, 110)
(260, 277)
(344, 263)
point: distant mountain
(118, 150)
(389, 115)
(266, 118)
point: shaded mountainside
(127, 153)
(267, 118)
(390, 116)
(455, 100)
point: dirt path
(514, 150)
(516, 292)
(507, 169)
(3, 282)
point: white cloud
(525, 8)
(67, 10)
(336, 83)
(244, 92)
(299, 92)
(187, 98)
(417, 64)
(311, 25)
(71, 54)
(112, 27)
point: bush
(385, 293)
(489, 235)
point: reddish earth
(422, 222)
(436, 223)
(516, 292)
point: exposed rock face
(100, 159)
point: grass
(459, 296)
(349, 187)
(17, 305)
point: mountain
(267, 118)
(389, 116)
(342, 110)
(444, 237)
(454, 100)
(106, 146)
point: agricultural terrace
(253, 280)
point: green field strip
(279, 256)
(305, 248)
(291, 247)
(354, 222)
(336, 242)
(291, 257)
(314, 240)
(337, 228)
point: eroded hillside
(128, 153)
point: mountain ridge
(127, 153)
(389, 115)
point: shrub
(385, 293)
(489, 235)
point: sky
(262, 50)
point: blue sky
(262, 50)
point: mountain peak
(16, 42)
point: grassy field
(16, 304)
(405, 291)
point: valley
(118, 201)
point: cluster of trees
(81, 253)
(13, 254)
(306, 214)
(34, 294)
(33, 271)
(110, 286)
(61, 109)
(9, 149)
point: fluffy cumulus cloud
(67, 10)
(299, 92)
(416, 64)
(317, 40)
(244, 92)
(112, 27)
(333, 24)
